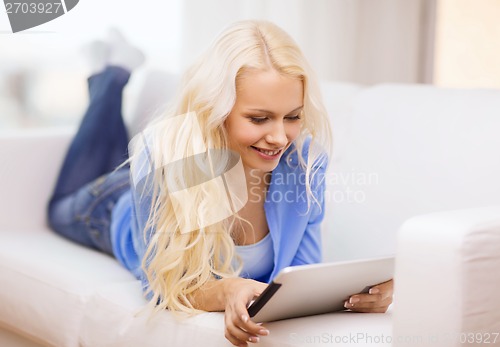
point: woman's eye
(293, 118)
(258, 120)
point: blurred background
(448, 43)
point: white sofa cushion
(120, 306)
(46, 282)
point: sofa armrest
(447, 279)
(31, 160)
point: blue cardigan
(294, 229)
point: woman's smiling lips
(268, 154)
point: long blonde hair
(178, 263)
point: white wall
(46, 63)
(355, 41)
(468, 44)
(153, 25)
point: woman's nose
(277, 136)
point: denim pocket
(96, 185)
(98, 231)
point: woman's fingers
(384, 287)
(377, 300)
(240, 330)
(367, 302)
(234, 333)
(251, 327)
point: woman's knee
(50, 212)
(60, 212)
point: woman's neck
(257, 179)
(253, 211)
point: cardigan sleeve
(310, 247)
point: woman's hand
(238, 293)
(377, 300)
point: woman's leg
(100, 144)
(85, 216)
(85, 193)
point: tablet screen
(318, 288)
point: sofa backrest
(404, 150)
(31, 160)
(399, 151)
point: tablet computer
(306, 290)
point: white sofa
(415, 172)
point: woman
(225, 189)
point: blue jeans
(88, 186)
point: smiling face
(265, 119)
